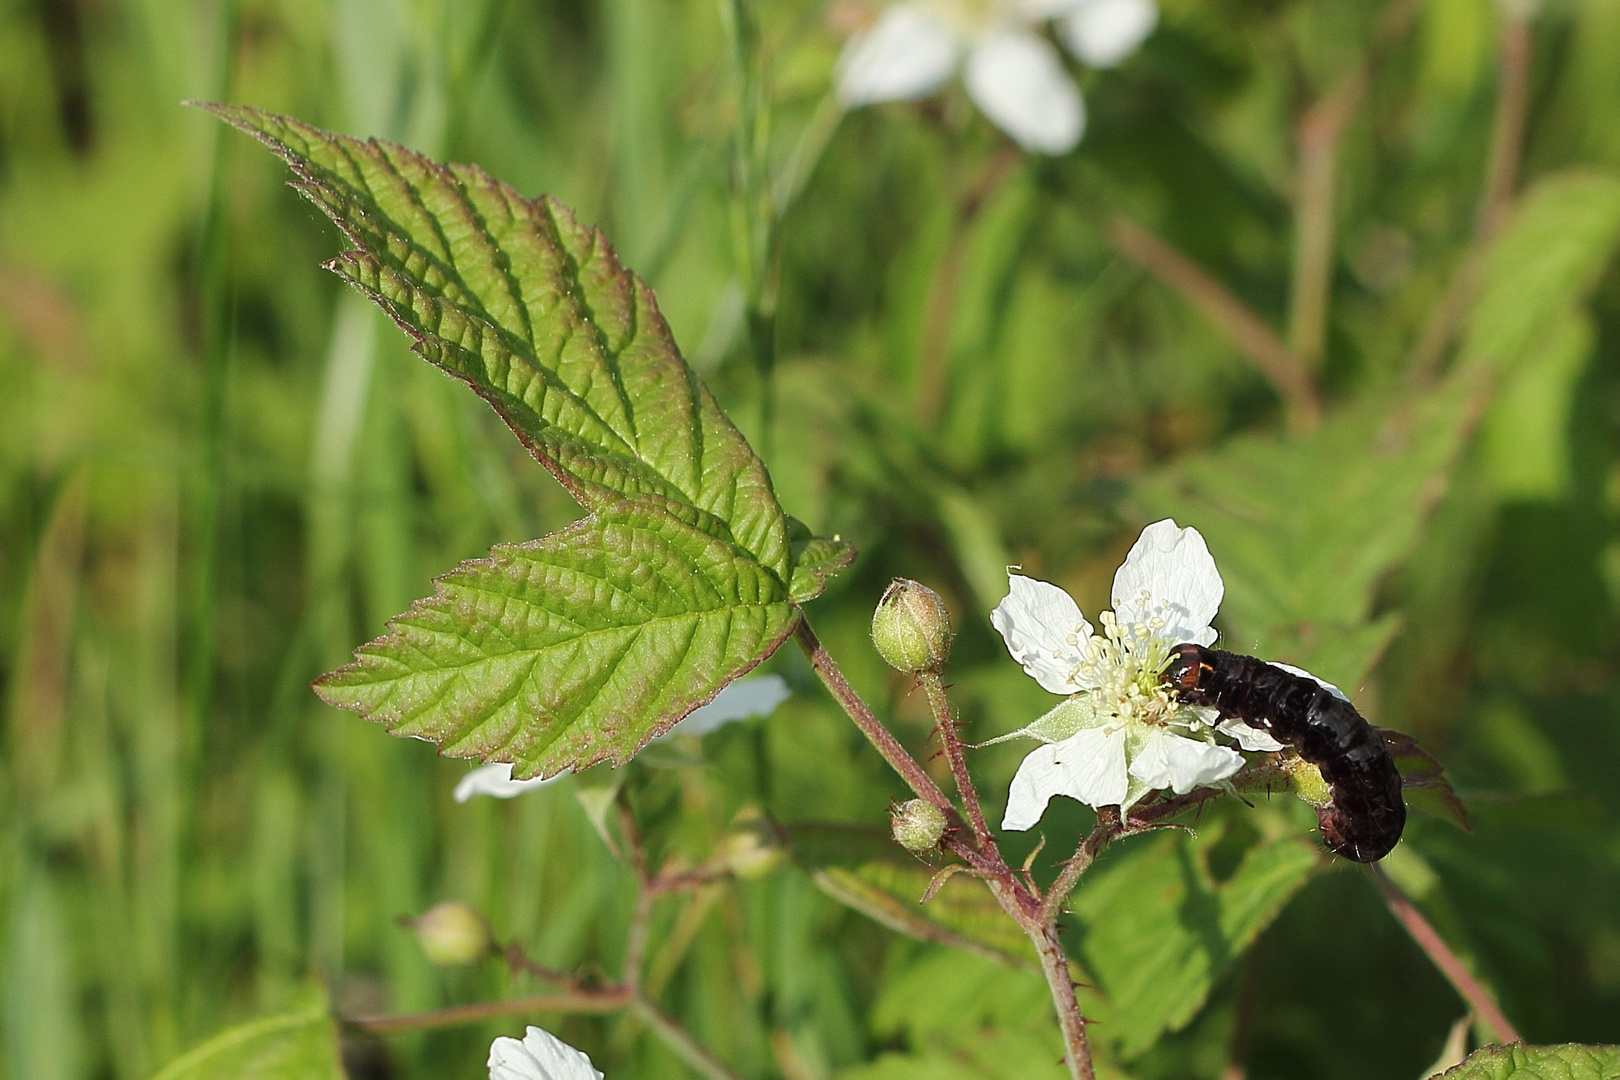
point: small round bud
(452, 934)
(752, 847)
(1307, 782)
(912, 628)
(917, 825)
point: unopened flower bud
(752, 847)
(912, 628)
(1307, 782)
(917, 825)
(452, 934)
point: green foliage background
(219, 473)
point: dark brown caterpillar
(1366, 816)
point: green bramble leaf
(575, 648)
(815, 561)
(533, 311)
(1158, 929)
(297, 1045)
(1562, 233)
(1305, 529)
(961, 913)
(1570, 1061)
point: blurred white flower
(1011, 72)
(1121, 733)
(757, 696)
(539, 1056)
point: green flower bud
(917, 825)
(911, 627)
(452, 934)
(1306, 780)
(752, 847)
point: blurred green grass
(218, 475)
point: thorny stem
(945, 718)
(1015, 898)
(1429, 940)
(827, 670)
(1107, 828)
(1258, 341)
(1055, 966)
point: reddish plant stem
(1017, 900)
(827, 670)
(680, 1041)
(519, 961)
(1429, 940)
(1107, 827)
(1055, 966)
(607, 999)
(1507, 129)
(1292, 380)
(945, 718)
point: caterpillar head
(1186, 669)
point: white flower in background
(1121, 733)
(1011, 72)
(758, 696)
(539, 1056)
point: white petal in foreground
(1019, 82)
(906, 54)
(496, 780)
(1170, 761)
(1248, 736)
(1323, 683)
(758, 696)
(1044, 631)
(1104, 32)
(1169, 575)
(1088, 767)
(540, 1056)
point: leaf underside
(575, 648)
(534, 311)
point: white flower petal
(1089, 767)
(1044, 631)
(1170, 761)
(906, 54)
(1323, 683)
(758, 696)
(1018, 80)
(1248, 736)
(540, 1056)
(1104, 32)
(496, 780)
(1172, 569)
